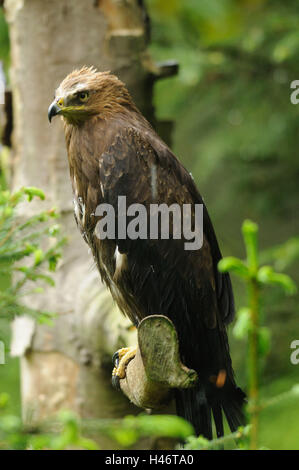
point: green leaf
(88, 444)
(164, 425)
(4, 197)
(40, 442)
(131, 428)
(38, 290)
(125, 437)
(197, 443)
(53, 260)
(46, 318)
(7, 212)
(250, 231)
(32, 191)
(54, 230)
(243, 323)
(267, 275)
(235, 265)
(38, 256)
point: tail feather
(233, 409)
(199, 405)
(192, 405)
(217, 414)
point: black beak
(53, 110)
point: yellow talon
(121, 359)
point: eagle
(114, 152)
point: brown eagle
(113, 151)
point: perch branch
(156, 369)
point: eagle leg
(120, 359)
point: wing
(141, 167)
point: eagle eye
(83, 96)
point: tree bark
(68, 365)
(156, 369)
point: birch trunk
(69, 365)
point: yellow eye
(83, 96)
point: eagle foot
(120, 360)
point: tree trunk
(68, 365)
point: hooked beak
(53, 110)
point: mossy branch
(156, 369)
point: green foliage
(128, 431)
(4, 41)
(232, 96)
(30, 247)
(238, 133)
(70, 436)
(67, 430)
(13, 435)
(236, 130)
(248, 324)
(200, 443)
(283, 255)
(250, 272)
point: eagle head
(85, 93)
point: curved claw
(115, 359)
(120, 360)
(115, 380)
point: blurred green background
(236, 130)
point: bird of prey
(113, 151)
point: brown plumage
(113, 151)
